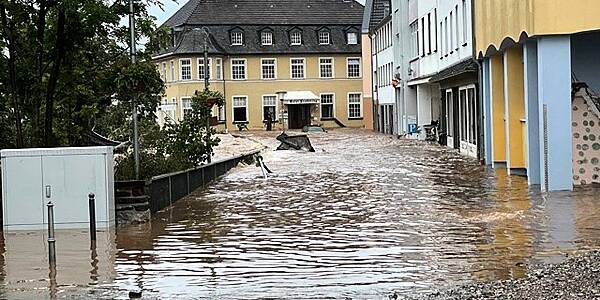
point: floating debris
(295, 142)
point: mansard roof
(207, 23)
(193, 41)
(271, 12)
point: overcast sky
(170, 7)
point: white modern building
(435, 70)
(378, 21)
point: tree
(192, 140)
(59, 63)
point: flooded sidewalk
(363, 217)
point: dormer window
(266, 38)
(237, 38)
(324, 38)
(352, 38)
(296, 38)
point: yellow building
(533, 52)
(296, 62)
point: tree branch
(52, 81)
(8, 33)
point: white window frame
(321, 106)
(185, 107)
(170, 115)
(441, 39)
(262, 60)
(181, 69)
(466, 125)
(219, 68)
(348, 67)
(221, 113)
(264, 40)
(414, 39)
(233, 36)
(360, 103)
(303, 68)
(324, 34)
(233, 107)
(293, 42)
(323, 64)
(262, 111)
(164, 71)
(451, 22)
(465, 21)
(449, 113)
(354, 41)
(446, 44)
(209, 68)
(457, 28)
(245, 69)
(172, 71)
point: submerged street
(363, 217)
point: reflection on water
(364, 216)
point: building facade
(540, 87)
(379, 26)
(295, 62)
(435, 72)
(457, 77)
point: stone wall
(586, 138)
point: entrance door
(468, 121)
(299, 115)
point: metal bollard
(51, 237)
(92, 208)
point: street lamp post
(136, 145)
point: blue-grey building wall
(554, 91)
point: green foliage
(176, 147)
(192, 140)
(63, 63)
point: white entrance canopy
(300, 97)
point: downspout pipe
(481, 119)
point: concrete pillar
(514, 110)
(532, 112)
(554, 91)
(497, 111)
(487, 112)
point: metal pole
(136, 146)
(224, 92)
(206, 85)
(209, 158)
(92, 208)
(206, 70)
(51, 237)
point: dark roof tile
(272, 12)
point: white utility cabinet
(66, 176)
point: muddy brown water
(361, 218)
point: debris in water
(310, 128)
(135, 295)
(296, 142)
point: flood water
(361, 218)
